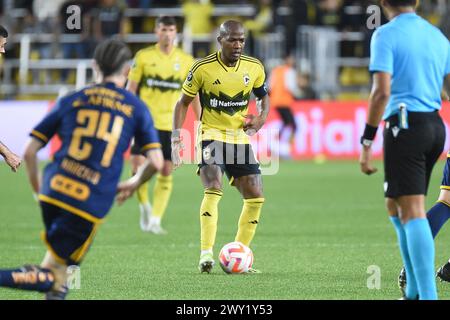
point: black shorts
(236, 160)
(410, 154)
(66, 235)
(287, 117)
(165, 139)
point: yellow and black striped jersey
(160, 78)
(224, 95)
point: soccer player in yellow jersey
(225, 81)
(157, 76)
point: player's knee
(444, 196)
(253, 193)
(214, 184)
(167, 169)
(391, 207)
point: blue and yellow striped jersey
(95, 126)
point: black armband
(261, 91)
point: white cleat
(156, 229)
(146, 211)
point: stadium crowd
(102, 19)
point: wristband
(369, 132)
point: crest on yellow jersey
(246, 79)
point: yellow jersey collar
(219, 59)
(162, 53)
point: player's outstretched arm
(31, 163)
(154, 161)
(196, 107)
(179, 115)
(379, 97)
(132, 86)
(11, 158)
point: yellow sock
(161, 195)
(249, 220)
(209, 213)
(142, 193)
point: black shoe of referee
(443, 273)
(402, 281)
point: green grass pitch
(322, 226)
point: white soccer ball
(235, 257)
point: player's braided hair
(3, 32)
(111, 55)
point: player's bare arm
(153, 161)
(250, 186)
(379, 97)
(256, 122)
(179, 115)
(132, 86)
(31, 163)
(196, 107)
(10, 157)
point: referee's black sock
(437, 216)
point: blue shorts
(67, 236)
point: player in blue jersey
(10, 157)
(409, 60)
(96, 126)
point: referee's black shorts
(410, 154)
(165, 139)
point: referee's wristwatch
(366, 142)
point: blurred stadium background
(329, 39)
(316, 248)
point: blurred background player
(10, 157)
(157, 76)
(225, 81)
(199, 22)
(406, 72)
(78, 188)
(284, 90)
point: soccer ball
(235, 258)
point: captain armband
(261, 91)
